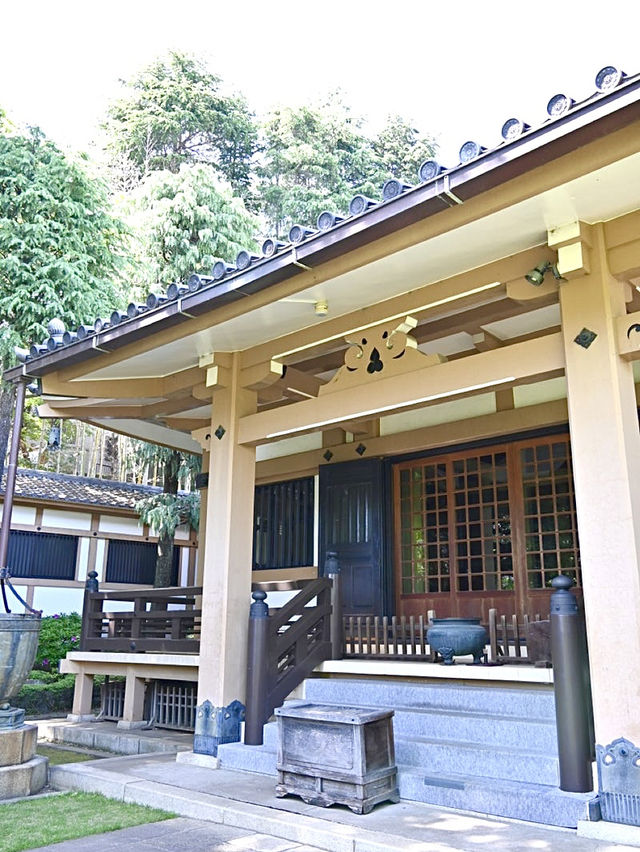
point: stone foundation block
(23, 780)
(18, 745)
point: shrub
(58, 634)
(40, 698)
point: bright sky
(458, 70)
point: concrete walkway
(176, 835)
(245, 802)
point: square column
(605, 442)
(226, 568)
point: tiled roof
(513, 131)
(83, 490)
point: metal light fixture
(536, 275)
(321, 307)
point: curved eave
(596, 118)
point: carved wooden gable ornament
(380, 352)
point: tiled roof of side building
(83, 490)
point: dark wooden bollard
(572, 690)
(257, 670)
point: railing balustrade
(285, 646)
(161, 620)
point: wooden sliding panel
(485, 528)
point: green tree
(60, 247)
(402, 149)
(315, 158)
(183, 222)
(174, 112)
(167, 511)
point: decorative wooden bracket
(380, 352)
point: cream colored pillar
(133, 710)
(605, 444)
(82, 697)
(226, 572)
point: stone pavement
(176, 835)
(245, 802)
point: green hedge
(43, 698)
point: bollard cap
(258, 608)
(563, 601)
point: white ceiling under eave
(599, 196)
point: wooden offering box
(336, 755)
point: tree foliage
(183, 222)
(174, 112)
(60, 247)
(165, 512)
(402, 149)
(315, 158)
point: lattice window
(482, 523)
(551, 538)
(424, 519)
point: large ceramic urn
(452, 637)
(18, 646)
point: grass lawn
(28, 824)
(60, 755)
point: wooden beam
(433, 300)
(519, 363)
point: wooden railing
(395, 638)
(160, 620)
(511, 640)
(286, 645)
(519, 641)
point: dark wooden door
(352, 523)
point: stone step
(516, 800)
(530, 703)
(261, 759)
(474, 760)
(535, 735)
